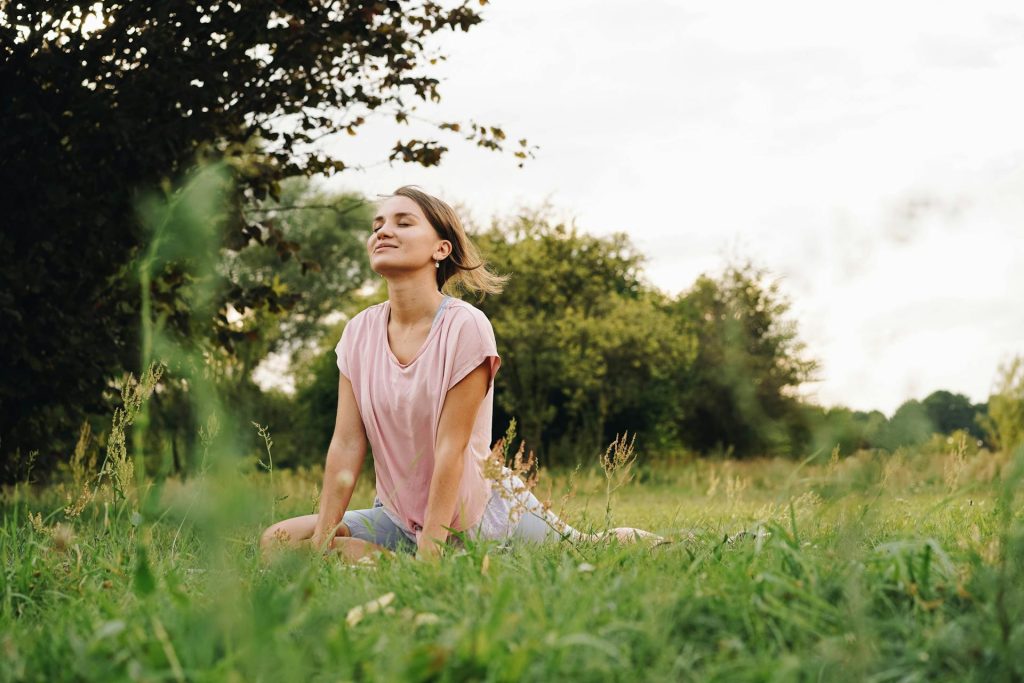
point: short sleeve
(341, 349)
(471, 342)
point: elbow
(449, 458)
(344, 456)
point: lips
(384, 246)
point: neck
(413, 300)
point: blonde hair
(463, 269)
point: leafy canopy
(102, 105)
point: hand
(428, 550)
(320, 541)
(323, 538)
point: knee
(274, 534)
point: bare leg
(626, 534)
(297, 532)
(352, 550)
(538, 523)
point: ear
(443, 249)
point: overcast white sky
(870, 154)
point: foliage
(949, 412)
(915, 423)
(909, 425)
(1005, 420)
(842, 428)
(750, 361)
(304, 422)
(330, 227)
(941, 412)
(94, 117)
(587, 349)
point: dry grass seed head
(619, 455)
(955, 462)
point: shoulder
(469, 330)
(465, 314)
(361, 320)
(365, 316)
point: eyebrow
(399, 214)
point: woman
(416, 381)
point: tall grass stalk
(617, 464)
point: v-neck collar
(433, 330)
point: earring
(437, 264)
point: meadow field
(190, 227)
(873, 567)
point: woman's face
(401, 239)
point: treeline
(591, 349)
(913, 423)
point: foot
(626, 534)
(357, 551)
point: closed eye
(401, 225)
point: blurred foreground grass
(875, 567)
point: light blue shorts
(512, 512)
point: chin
(386, 267)
(395, 260)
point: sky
(870, 155)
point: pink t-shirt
(400, 405)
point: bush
(1005, 421)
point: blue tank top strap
(440, 308)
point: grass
(874, 567)
(871, 568)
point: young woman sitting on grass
(417, 382)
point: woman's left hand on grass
(428, 550)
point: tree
(741, 392)
(1005, 420)
(586, 346)
(910, 425)
(93, 118)
(949, 412)
(332, 230)
(849, 430)
(299, 318)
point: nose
(375, 237)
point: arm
(455, 426)
(345, 456)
